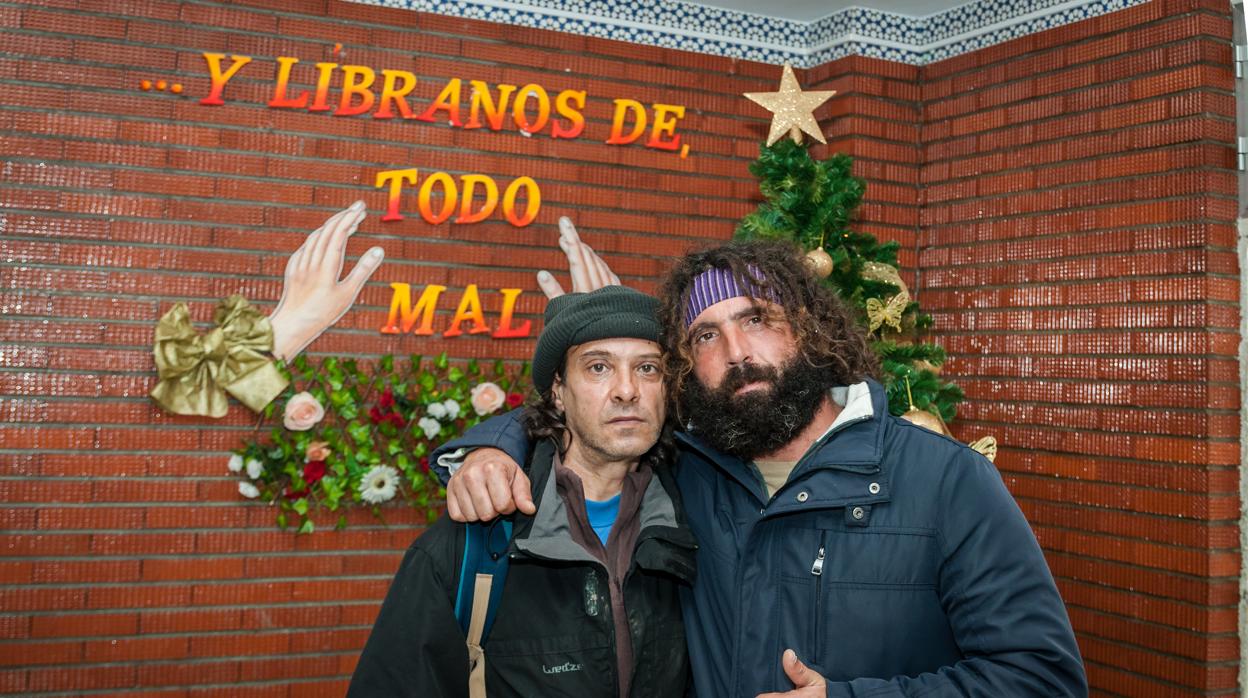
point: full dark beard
(758, 421)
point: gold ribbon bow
(196, 371)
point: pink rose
(303, 412)
(487, 398)
(317, 450)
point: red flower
(514, 400)
(294, 494)
(313, 471)
(424, 463)
(384, 411)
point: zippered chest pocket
(849, 596)
(839, 554)
(908, 557)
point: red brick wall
(1078, 255)
(1064, 201)
(130, 561)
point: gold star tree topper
(792, 109)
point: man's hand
(587, 269)
(313, 298)
(808, 682)
(488, 484)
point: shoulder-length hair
(823, 326)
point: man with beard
(891, 560)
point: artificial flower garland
(359, 436)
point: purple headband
(715, 285)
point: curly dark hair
(823, 325)
(542, 420)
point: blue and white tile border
(854, 31)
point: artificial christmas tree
(811, 202)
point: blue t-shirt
(602, 516)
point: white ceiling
(810, 10)
(804, 33)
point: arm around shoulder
(504, 432)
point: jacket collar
(854, 442)
(547, 534)
(858, 431)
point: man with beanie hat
(590, 603)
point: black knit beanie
(577, 318)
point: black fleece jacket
(553, 634)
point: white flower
(378, 485)
(437, 410)
(248, 490)
(254, 468)
(431, 427)
(236, 463)
(452, 408)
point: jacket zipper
(816, 569)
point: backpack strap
(482, 587)
(481, 577)
(485, 553)
(499, 541)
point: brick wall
(130, 561)
(1064, 201)
(1078, 254)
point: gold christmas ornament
(820, 262)
(792, 110)
(880, 313)
(927, 420)
(924, 418)
(879, 271)
(986, 446)
(926, 365)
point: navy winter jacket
(894, 562)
